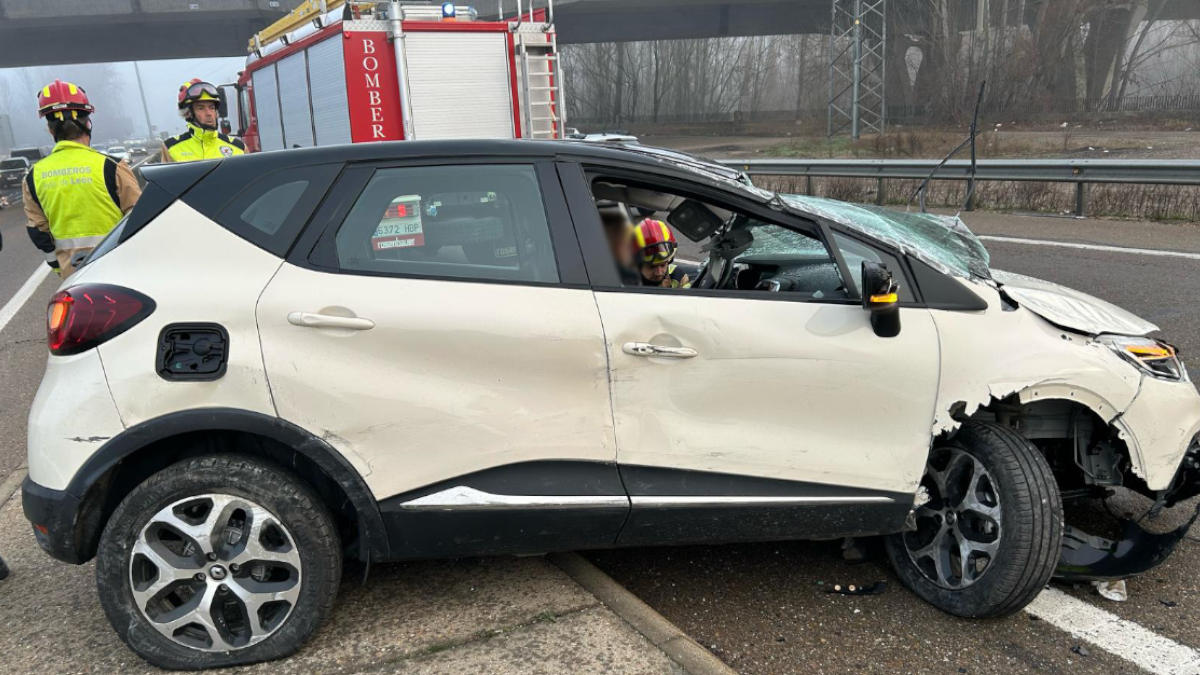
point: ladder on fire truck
(541, 84)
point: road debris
(874, 589)
(1112, 590)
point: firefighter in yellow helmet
(75, 196)
(198, 105)
(654, 247)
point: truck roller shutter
(266, 106)
(293, 101)
(327, 79)
(460, 85)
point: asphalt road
(762, 608)
(23, 340)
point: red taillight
(82, 317)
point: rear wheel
(218, 561)
(988, 537)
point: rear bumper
(53, 515)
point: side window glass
(787, 261)
(484, 222)
(269, 211)
(272, 210)
(855, 252)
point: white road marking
(1115, 635)
(18, 300)
(1093, 247)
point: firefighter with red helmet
(199, 105)
(654, 249)
(74, 196)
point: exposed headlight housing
(1152, 356)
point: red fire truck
(336, 71)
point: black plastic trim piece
(177, 177)
(154, 200)
(52, 514)
(320, 453)
(451, 532)
(665, 481)
(943, 292)
(539, 477)
(805, 510)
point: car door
(751, 414)
(434, 325)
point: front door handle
(649, 349)
(313, 320)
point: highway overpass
(46, 32)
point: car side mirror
(881, 297)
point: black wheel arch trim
(319, 452)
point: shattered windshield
(943, 242)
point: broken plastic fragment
(1112, 590)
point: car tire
(991, 493)
(274, 547)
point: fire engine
(336, 71)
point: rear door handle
(649, 349)
(313, 320)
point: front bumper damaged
(1088, 557)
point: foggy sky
(113, 89)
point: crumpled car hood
(1070, 308)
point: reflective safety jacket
(73, 198)
(679, 278)
(198, 143)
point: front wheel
(988, 537)
(218, 561)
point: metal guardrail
(1080, 172)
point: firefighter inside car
(199, 105)
(654, 251)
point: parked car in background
(137, 150)
(33, 154)
(427, 349)
(13, 170)
(118, 152)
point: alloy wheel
(960, 527)
(215, 572)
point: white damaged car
(393, 351)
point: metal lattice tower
(857, 61)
